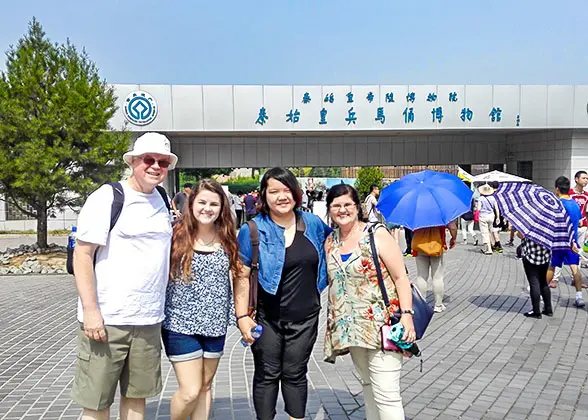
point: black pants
(408, 238)
(537, 278)
(281, 354)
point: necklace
(353, 230)
(206, 244)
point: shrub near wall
(244, 185)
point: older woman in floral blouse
(356, 309)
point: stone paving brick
(481, 358)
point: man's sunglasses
(148, 160)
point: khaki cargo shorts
(131, 356)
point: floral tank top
(356, 309)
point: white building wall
(579, 152)
(550, 151)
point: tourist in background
(489, 212)
(536, 259)
(428, 246)
(180, 198)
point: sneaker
(476, 242)
(465, 242)
(510, 243)
(439, 308)
(579, 303)
(544, 312)
(532, 314)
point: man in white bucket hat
(121, 274)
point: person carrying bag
(357, 310)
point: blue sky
(320, 41)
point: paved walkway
(482, 358)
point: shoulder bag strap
(378, 268)
(254, 274)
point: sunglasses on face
(148, 160)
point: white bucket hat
(151, 143)
(486, 189)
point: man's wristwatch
(407, 311)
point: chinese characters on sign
(262, 117)
(466, 114)
(437, 114)
(323, 120)
(381, 117)
(351, 118)
(408, 114)
(495, 115)
(293, 116)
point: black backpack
(469, 216)
(115, 210)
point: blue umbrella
(537, 213)
(425, 199)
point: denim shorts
(182, 347)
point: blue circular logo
(140, 108)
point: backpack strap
(117, 203)
(163, 194)
(254, 274)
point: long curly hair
(186, 231)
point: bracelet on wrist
(242, 316)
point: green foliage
(332, 172)
(243, 185)
(366, 177)
(55, 137)
(196, 174)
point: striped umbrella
(537, 213)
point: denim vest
(272, 249)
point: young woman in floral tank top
(199, 300)
(356, 309)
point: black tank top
(297, 297)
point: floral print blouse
(356, 309)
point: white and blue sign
(140, 108)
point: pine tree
(56, 142)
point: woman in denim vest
(292, 273)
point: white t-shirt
(132, 262)
(370, 206)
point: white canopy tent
(498, 177)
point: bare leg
(96, 415)
(550, 277)
(577, 276)
(132, 408)
(189, 375)
(204, 400)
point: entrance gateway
(538, 131)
